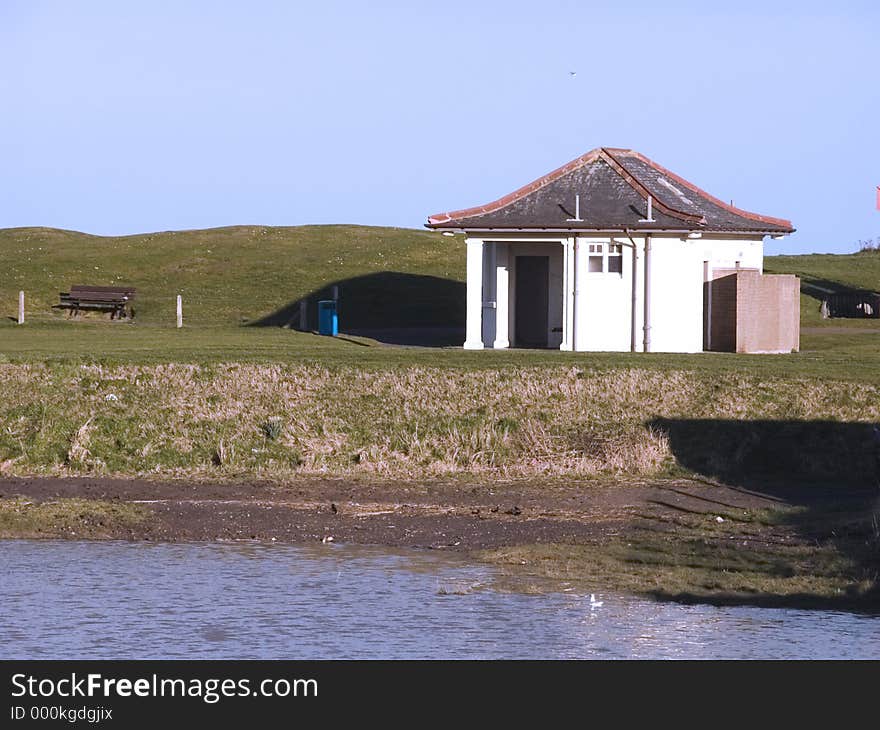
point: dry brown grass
(192, 420)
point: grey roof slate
(613, 186)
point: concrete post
(474, 322)
(567, 294)
(21, 307)
(179, 311)
(646, 343)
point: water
(79, 600)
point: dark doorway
(532, 300)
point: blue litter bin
(328, 321)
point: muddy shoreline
(686, 540)
(449, 516)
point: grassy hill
(389, 277)
(253, 274)
(241, 274)
(836, 272)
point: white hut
(614, 252)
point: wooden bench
(114, 299)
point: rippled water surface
(224, 601)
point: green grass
(80, 518)
(240, 275)
(232, 276)
(247, 273)
(227, 276)
(695, 563)
(831, 271)
(832, 355)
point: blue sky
(123, 117)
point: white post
(21, 307)
(567, 295)
(303, 315)
(634, 298)
(474, 321)
(575, 293)
(707, 320)
(179, 311)
(502, 297)
(646, 324)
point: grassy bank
(826, 556)
(229, 420)
(68, 518)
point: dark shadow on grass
(789, 458)
(388, 306)
(352, 342)
(841, 300)
(828, 471)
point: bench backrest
(126, 291)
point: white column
(474, 323)
(567, 294)
(502, 297)
(575, 292)
(646, 320)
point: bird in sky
(572, 73)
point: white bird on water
(594, 603)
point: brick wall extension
(751, 312)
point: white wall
(676, 296)
(724, 254)
(603, 302)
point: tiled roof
(614, 186)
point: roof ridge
(699, 191)
(642, 190)
(531, 187)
